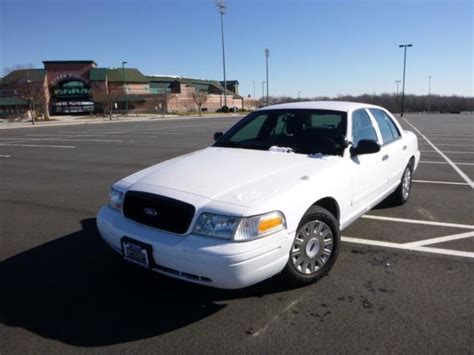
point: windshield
(291, 130)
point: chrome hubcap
(312, 247)
(406, 184)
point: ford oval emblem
(150, 212)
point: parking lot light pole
(429, 93)
(396, 97)
(404, 46)
(267, 54)
(125, 87)
(263, 90)
(221, 7)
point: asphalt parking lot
(403, 282)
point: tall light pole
(404, 46)
(267, 54)
(429, 92)
(125, 87)
(396, 97)
(253, 82)
(221, 8)
(263, 90)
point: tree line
(392, 102)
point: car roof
(320, 105)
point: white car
(269, 197)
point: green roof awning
(132, 75)
(34, 75)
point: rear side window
(362, 127)
(387, 128)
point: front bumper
(204, 260)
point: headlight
(237, 228)
(216, 225)
(116, 199)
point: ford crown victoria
(269, 197)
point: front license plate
(135, 253)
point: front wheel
(315, 247)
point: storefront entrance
(71, 97)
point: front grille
(158, 211)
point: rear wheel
(401, 195)
(315, 247)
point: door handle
(404, 147)
(385, 157)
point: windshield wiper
(244, 145)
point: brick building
(80, 87)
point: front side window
(362, 127)
(387, 128)
(303, 131)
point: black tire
(402, 194)
(306, 273)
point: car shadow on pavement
(78, 291)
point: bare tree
(33, 93)
(199, 98)
(105, 98)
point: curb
(92, 122)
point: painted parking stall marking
(450, 162)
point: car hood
(237, 176)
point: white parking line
(454, 166)
(5, 156)
(442, 162)
(38, 145)
(441, 182)
(451, 139)
(438, 240)
(64, 140)
(449, 144)
(419, 221)
(407, 246)
(448, 151)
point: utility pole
(221, 8)
(429, 92)
(263, 90)
(267, 54)
(396, 100)
(125, 88)
(404, 46)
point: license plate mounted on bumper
(137, 252)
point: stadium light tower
(404, 46)
(267, 54)
(221, 8)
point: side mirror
(365, 146)
(217, 135)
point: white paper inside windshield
(275, 148)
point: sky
(317, 48)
